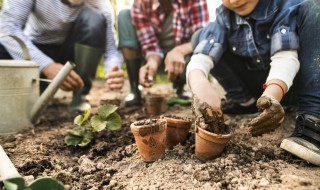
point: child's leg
(240, 83)
(305, 140)
(308, 78)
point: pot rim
(211, 136)
(161, 124)
(181, 122)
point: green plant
(87, 127)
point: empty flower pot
(177, 129)
(209, 145)
(150, 137)
(154, 104)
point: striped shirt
(49, 22)
(148, 18)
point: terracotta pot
(154, 104)
(209, 145)
(177, 130)
(150, 138)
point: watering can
(20, 100)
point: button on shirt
(270, 28)
(49, 22)
(148, 17)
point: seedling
(87, 127)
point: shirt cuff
(160, 54)
(199, 62)
(284, 66)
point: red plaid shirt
(148, 17)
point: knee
(124, 17)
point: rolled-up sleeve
(284, 30)
(212, 41)
(13, 18)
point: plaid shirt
(148, 17)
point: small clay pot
(209, 145)
(177, 129)
(154, 104)
(150, 137)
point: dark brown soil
(174, 116)
(112, 160)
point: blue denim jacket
(271, 27)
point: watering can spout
(49, 92)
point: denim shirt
(271, 27)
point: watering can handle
(26, 54)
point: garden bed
(112, 160)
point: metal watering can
(20, 100)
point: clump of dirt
(151, 122)
(209, 119)
(174, 116)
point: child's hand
(271, 117)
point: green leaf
(105, 111)
(86, 115)
(15, 183)
(80, 119)
(78, 131)
(114, 121)
(72, 140)
(46, 183)
(97, 123)
(86, 139)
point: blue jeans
(241, 83)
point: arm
(197, 79)
(140, 14)
(199, 17)
(112, 57)
(284, 67)
(12, 22)
(174, 61)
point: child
(257, 50)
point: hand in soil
(208, 118)
(271, 117)
(146, 74)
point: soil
(112, 160)
(209, 119)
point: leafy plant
(87, 127)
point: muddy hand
(206, 116)
(271, 117)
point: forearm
(184, 49)
(275, 88)
(154, 60)
(202, 88)
(12, 23)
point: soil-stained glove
(271, 117)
